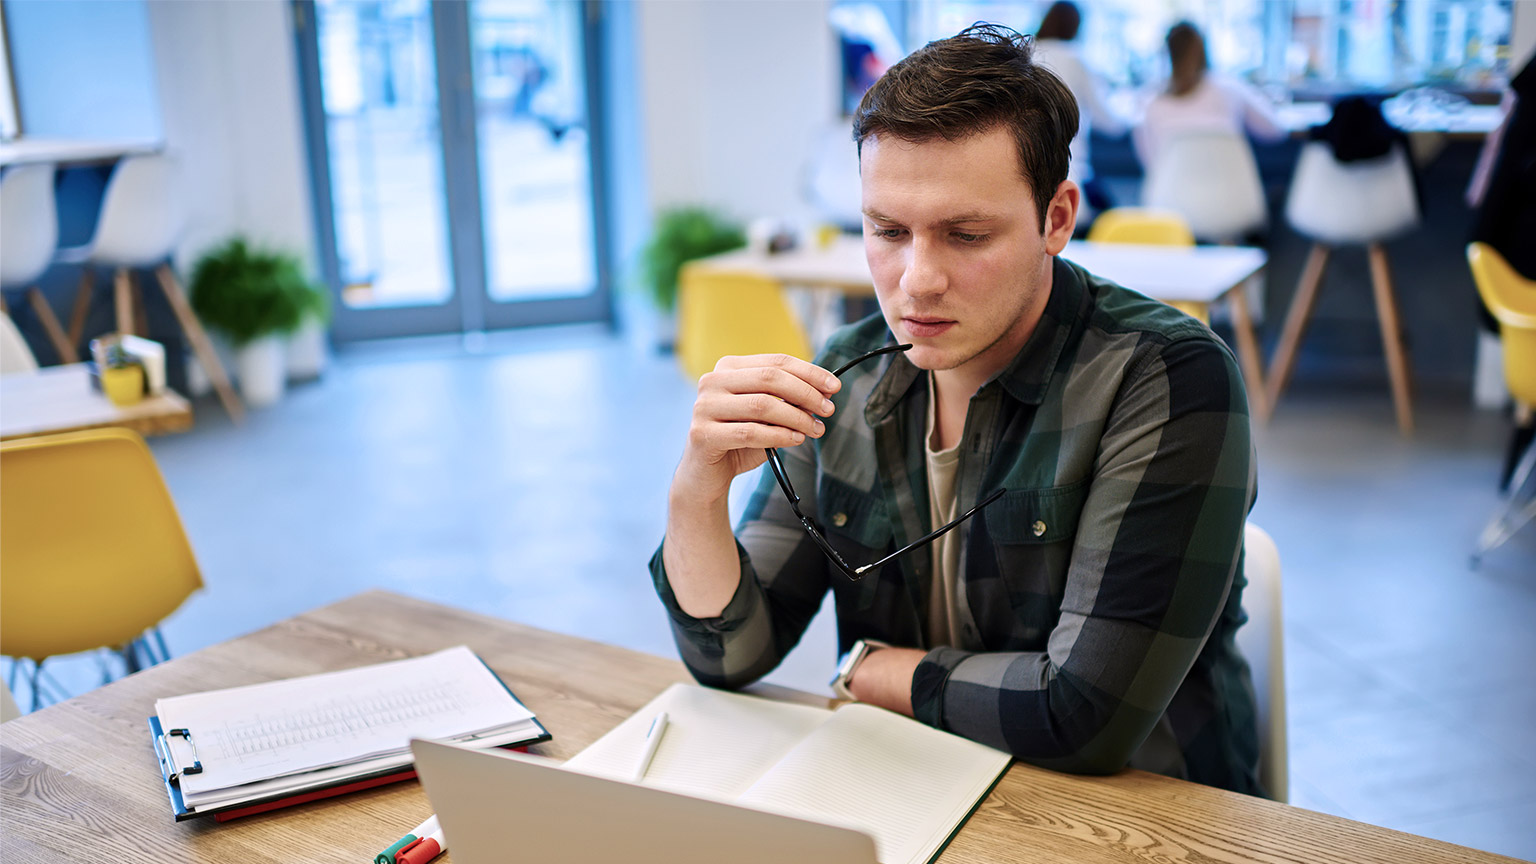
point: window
(1301, 44)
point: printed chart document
(906, 784)
(226, 748)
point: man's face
(961, 267)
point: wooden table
(1192, 278)
(80, 782)
(60, 399)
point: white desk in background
(60, 399)
(62, 151)
(1193, 277)
(1472, 121)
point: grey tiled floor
(528, 481)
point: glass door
(453, 156)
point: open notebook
(908, 785)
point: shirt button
(1038, 528)
(840, 520)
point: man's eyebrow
(977, 216)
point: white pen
(652, 738)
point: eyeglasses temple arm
(932, 535)
(838, 372)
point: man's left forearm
(885, 678)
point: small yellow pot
(124, 385)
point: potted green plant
(682, 234)
(256, 298)
(122, 376)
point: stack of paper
(265, 742)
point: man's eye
(969, 238)
(888, 233)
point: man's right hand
(746, 405)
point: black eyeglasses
(857, 573)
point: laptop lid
(496, 806)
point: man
(1082, 621)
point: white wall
(82, 69)
(231, 114)
(736, 94)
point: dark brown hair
(1060, 22)
(970, 84)
(1186, 54)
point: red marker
(423, 850)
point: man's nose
(924, 275)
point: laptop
(496, 806)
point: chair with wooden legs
(31, 220)
(1336, 204)
(140, 220)
(1211, 179)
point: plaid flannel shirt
(1100, 596)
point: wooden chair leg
(1391, 337)
(82, 308)
(1248, 352)
(1296, 323)
(201, 347)
(56, 335)
(140, 310)
(122, 299)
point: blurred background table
(60, 399)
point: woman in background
(1054, 50)
(1197, 101)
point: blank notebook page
(905, 783)
(716, 744)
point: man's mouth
(922, 326)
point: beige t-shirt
(943, 616)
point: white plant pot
(261, 370)
(307, 351)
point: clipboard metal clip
(173, 773)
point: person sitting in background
(1197, 101)
(1054, 50)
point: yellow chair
(719, 314)
(1141, 225)
(91, 546)
(1511, 299)
(1149, 228)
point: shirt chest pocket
(854, 522)
(1031, 533)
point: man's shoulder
(1120, 318)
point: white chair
(1262, 641)
(1336, 204)
(31, 220)
(15, 356)
(1211, 179)
(140, 221)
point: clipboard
(171, 771)
(176, 753)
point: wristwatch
(850, 663)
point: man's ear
(1061, 216)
